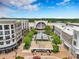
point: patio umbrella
(36, 57)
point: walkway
(43, 57)
(25, 53)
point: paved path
(24, 53)
(43, 57)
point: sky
(39, 8)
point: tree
(55, 48)
(19, 57)
(47, 29)
(56, 40)
(65, 58)
(27, 39)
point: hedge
(55, 48)
(28, 39)
(18, 57)
(56, 39)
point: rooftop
(65, 28)
(8, 21)
(68, 30)
(76, 28)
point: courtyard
(27, 53)
(40, 43)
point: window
(1, 43)
(12, 27)
(0, 27)
(7, 32)
(13, 40)
(12, 36)
(75, 35)
(6, 27)
(8, 42)
(77, 56)
(75, 43)
(7, 37)
(12, 31)
(1, 38)
(1, 32)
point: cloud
(21, 2)
(3, 15)
(24, 4)
(64, 2)
(4, 11)
(31, 7)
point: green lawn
(56, 39)
(28, 39)
(18, 57)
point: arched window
(40, 25)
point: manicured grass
(65, 58)
(48, 31)
(28, 39)
(55, 49)
(56, 39)
(18, 57)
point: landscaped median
(19, 57)
(28, 39)
(55, 48)
(56, 39)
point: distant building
(73, 24)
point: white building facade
(70, 37)
(75, 42)
(10, 34)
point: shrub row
(18, 57)
(56, 39)
(28, 39)
(55, 49)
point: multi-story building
(25, 26)
(75, 42)
(58, 27)
(67, 37)
(12, 31)
(70, 37)
(10, 34)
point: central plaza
(39, 38)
